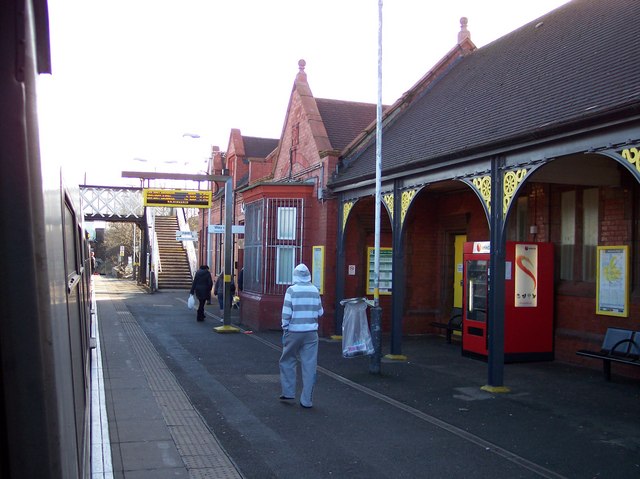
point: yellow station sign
(179, 198)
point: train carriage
(44, 275)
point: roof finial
(463, 34)
(301, 73)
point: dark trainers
(306, 407)
(285, 398)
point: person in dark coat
(201, 287)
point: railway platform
(182, 401)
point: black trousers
(201, 303)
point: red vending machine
(528, 313)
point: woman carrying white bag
(201, 287)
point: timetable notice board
(386, 270)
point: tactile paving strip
(200, 449)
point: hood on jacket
(301, 274)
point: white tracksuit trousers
(305, 346)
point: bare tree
(117, 235)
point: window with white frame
(283, 242)
(567, 233)
(589, 233)
(286, 223)
(579, 234)
(272, 244)
(285, 256)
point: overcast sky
(130, 77)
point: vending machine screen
(477, 275)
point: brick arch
(357, 236)
(437, 213)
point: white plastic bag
(191, 302)
(356, 338)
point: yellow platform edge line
(496, 389)
(226, 329)
(396, 357)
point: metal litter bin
(356, 336)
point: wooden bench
(619, 346)
(454, 324)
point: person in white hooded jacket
(300, 312)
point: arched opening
(359, 237)
(580, 203)
(440, 219)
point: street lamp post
(197, 136)
(228, 234)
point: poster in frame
(612, 281)
(317, 268)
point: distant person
(219, 289)
(300, 312)
(201, 287)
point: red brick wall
(428, 223)
(300, 158)
(261, 312)
(359, 235)
(577, 326)
(259, 170)
(320, 230)
(431, 223)
(297, 142)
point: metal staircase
(175, 272)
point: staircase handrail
(156, 266)
(183, 225)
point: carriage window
(69, 242)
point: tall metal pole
(376, 311)
(208, 237)
(228, 258)
(133, 254)
(495, 324)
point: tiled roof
(258, 147)
(344, 120)
(574, 64)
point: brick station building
(281, 198)
(532, 138)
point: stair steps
(174, 264)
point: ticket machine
(528, 322)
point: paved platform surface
(184, 401)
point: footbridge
(126, 204)
(112, 203)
